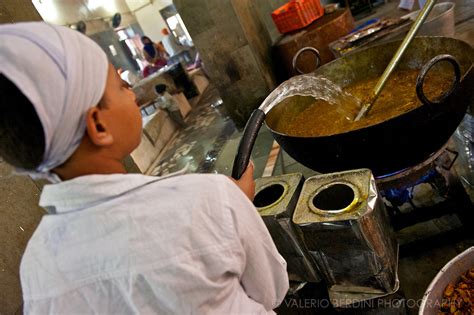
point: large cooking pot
(390, 146)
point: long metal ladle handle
(366, 107)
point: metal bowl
(450, 273)
(440, 22)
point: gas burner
(430, 194)
(421, 186)
(413, 174)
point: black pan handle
(424, 71)
(298, 54)
(246, 143)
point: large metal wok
(390, 146)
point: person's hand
(246, 183)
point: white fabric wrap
(63, 73)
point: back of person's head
(164, 31)
(146, 40)
(160, 88)
(21, 133)
(50, 77)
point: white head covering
(63, 73)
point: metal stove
(429, 195)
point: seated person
(167, 103)
(154, 54)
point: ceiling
(63, 12)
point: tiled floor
(209, 142)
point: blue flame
(399, 196)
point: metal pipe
(367, 106)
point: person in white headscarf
(114, 242)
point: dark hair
(160, 88)
(22, 142)
(146, 38)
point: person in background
(167, 103)
(155, 55)
(174, 49)
(117, 243)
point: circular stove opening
(334, 197)
(268, 196)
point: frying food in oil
(305, 117)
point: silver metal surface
(440, 21)
(352, 243)
(396, 58)
(276, 209)
(302, 50)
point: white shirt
(166, 101)
(135, 244)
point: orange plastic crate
(296, 14)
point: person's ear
(97, 128)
